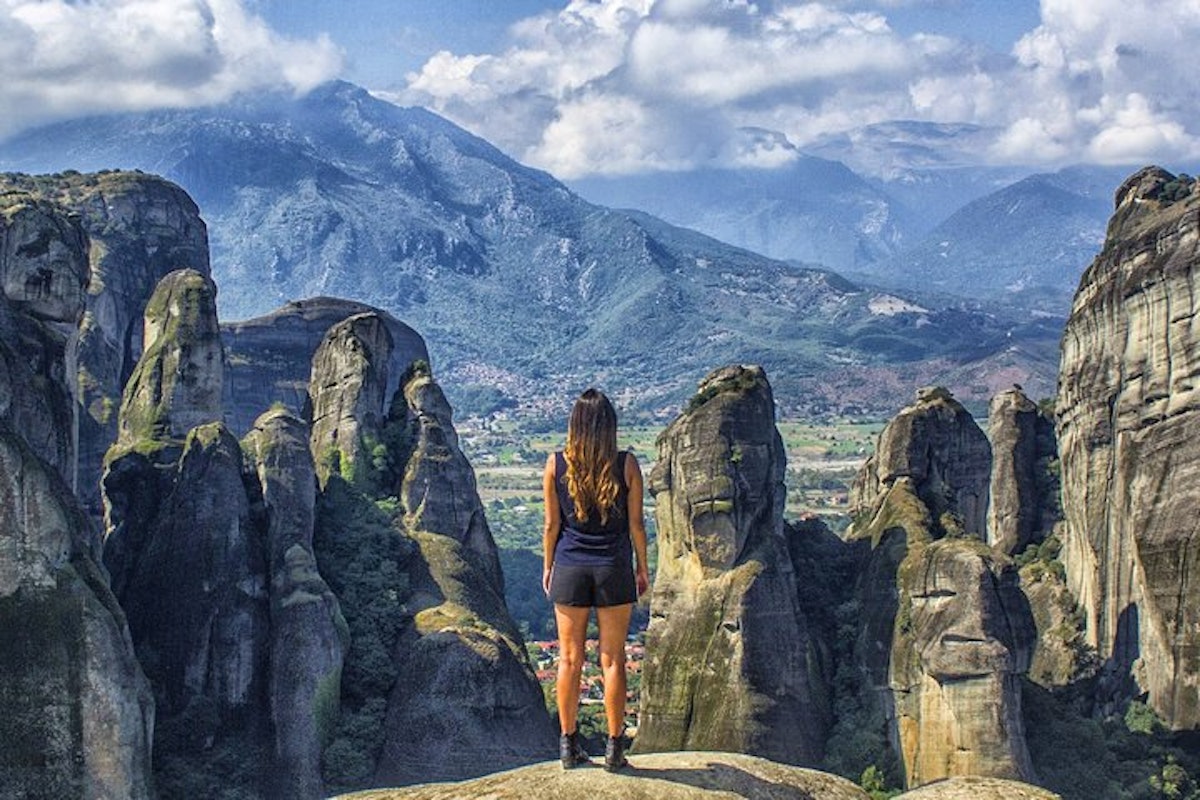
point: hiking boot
(571, 752)
(614, 753)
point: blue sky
(610, 87)
(386, 39)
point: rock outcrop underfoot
(692, 775)
(657, 776)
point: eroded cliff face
(1021, 509)
(43, 270)
(946, 631)
(437, 487)
(134, 229)
(727, 646)
(269, 358)
(78, 713)
(1128, 405)
(77, 709)
(347, 392)
(936, 445)
(309, 636)
(456, 695)
(43, 257)
(187, 560)
(176, 385)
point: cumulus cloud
(1106, 81)
(63, 59)
(623, 86)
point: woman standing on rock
(593, 529)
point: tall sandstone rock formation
(308, 637)
(946, 631)
(77, 712)
(187, 562)
(348, 394)
(462, 700)
(1128, 406)
(43, 269)
(727, 648)
(211, 558)
(135, 229)
(1022, 439)
(269, 358)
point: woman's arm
(637, 526)
(551, 524)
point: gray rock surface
(437, 490)
(347, 391)
(658, 776)
(269, 358)
(726, 649)
(437, 667)
(188, 559)
(978, 788)
(132, 229)
(43, 258)
(35, 398)
(78, 712)
(1062, 655)
(195, 587)
(176, 384)
(467, 701)
(964, 637)
(946, 631)
(936, 444)
(308, 634)
(43, 272)
(1128, 404)
(1021, 438)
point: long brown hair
(591, 455)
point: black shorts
(588, 587)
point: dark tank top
(592, 543)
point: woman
(593, 495)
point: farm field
(822, 461)
(508, 461)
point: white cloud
(629, 85)
(61, 58)
(1107, 81)
(619, 86)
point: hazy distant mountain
(888, 150)
(517, 283)
(813, 210)
(905, 203)
(1027, 243)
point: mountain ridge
(338, 193)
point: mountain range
(522, 286)
(913, 214)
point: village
(544, 655)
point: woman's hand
(546, 580)
(643, 581)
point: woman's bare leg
(572, 629)
(614, 627)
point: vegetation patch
(1125, 756)
(364, 558)
(744, 381)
